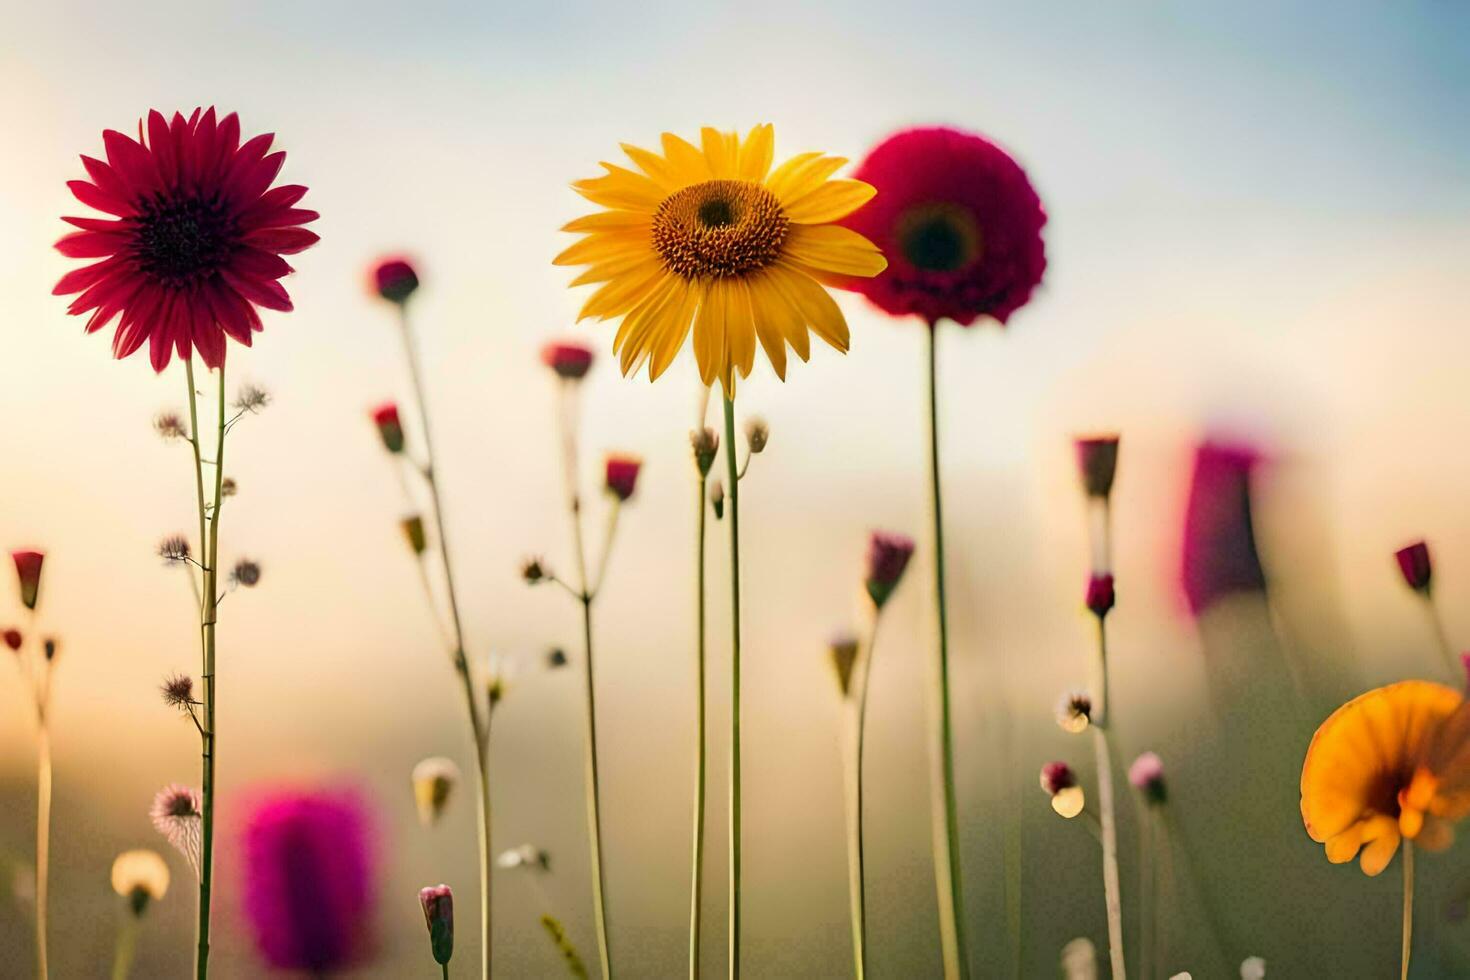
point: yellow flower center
(719, 228)
(939, 237)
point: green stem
(43, 837)
(480, 731)
(127, 945)
(445, 969)
(1442, 640)
(1112, 889)
(696, 889)
(594, 792)
(945, 810)
(856, 864)
(1147, 892)
(1408, 909)
(732, 491)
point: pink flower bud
(1147, 775)
(1219, 556)
(1415, 565)
(1057, 776)
(1100, 597)
(622, 476)
(438, 903)
(1097, 459)
(28, 568)
(12, 638)
(888, 556)
(394, 280)
(571, 362)
(385, 417)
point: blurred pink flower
(309, 879)
(394, 279)
(1415, 565)
(622, 475)
(1100, 596)
(570, 361)
(28, 570)
(1219, 550)
(888, 556)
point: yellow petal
(673, 327)
(686, 158)
(801, 175)
(1379, 851)
(756, 153)
(1344, 846)
(622, 294)
(621, 188)
(721, 151)
(709, 332)
(777, 323)
(833, 248)
(610, 221)
(817, 308)
(830, 201)
(656, 167)
(603, 245)
(740, 333)
(609, 269)
(632, 335)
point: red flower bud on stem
(28, 569)
(1414, 564)
(394, 280)
(570, 361)
(1100, 596)
(390, 429)
(622, 476)
(888, 556)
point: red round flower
(394, 279)
(197, 239)
(621, 476)
(959, 223)
(570, 361)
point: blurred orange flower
(1391, 764)
(710, 236)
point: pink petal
(283, 241)
(90, 244)
(79, 279)
(93, 197)
(262, 293)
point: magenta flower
(390, 429)
(1415, 565)
(888, 556)
(28, 570)
(622, 476)
(1219, 552)
(1147, 776)
(394, 279)
(570, 361)
(309, 880)
(1100, 597)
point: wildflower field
(799, 492)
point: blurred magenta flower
(622, 475)
(888, 556)
(1219, 551)
(390, 429)
(197, 239)
(570, 361)
(394, 279)
(28, 570)
(1100, 596)
(1147, 776)
(12, 638)
(959, 222)
(309, 879)
(1415, 565)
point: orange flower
(1391, 764)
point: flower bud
(174, 548)
(1074, 713)
(1415, 566)
(434, 780)
(1097, 459)
(844, 653)
(394, 280)
(556, 659)
(534, 572)
(413, 531)
(1060, 783)
(390, 430)
(571, 362)
(888, 556)
(525, 856)
(1100, 597)
(178, 691)
(622, 476)
(170, 426)
(140, 876)
(706, 443)
(28, 569)
(438, 903)
(717, 498)
(252, 398)
(228, 487)
(49, 647)
(756, 434)
(246, 573)
(12, 638)
(1147, 775)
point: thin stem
(945, 811)
(43, 836)
(856, 865)
(1408, 908)
(732, 504)
(127, 945)
(1112, 889)
(1442, 638)
(594, 812)
(1147, 892)
(479, 730)
(614, 511)
(445, 967)
(696, 888)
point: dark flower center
(719, 228)
(939, 238)
(180, 240)
(181, 806)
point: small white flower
(1253, 968)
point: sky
(1257, 227)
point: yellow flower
(711, 236)
(140, 876)
(1390, 764)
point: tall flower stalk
(1417, 569)
(396, 281)
(570, 363)
(1097, 461)
(36, 659)
(706, 444)
(732, 475)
